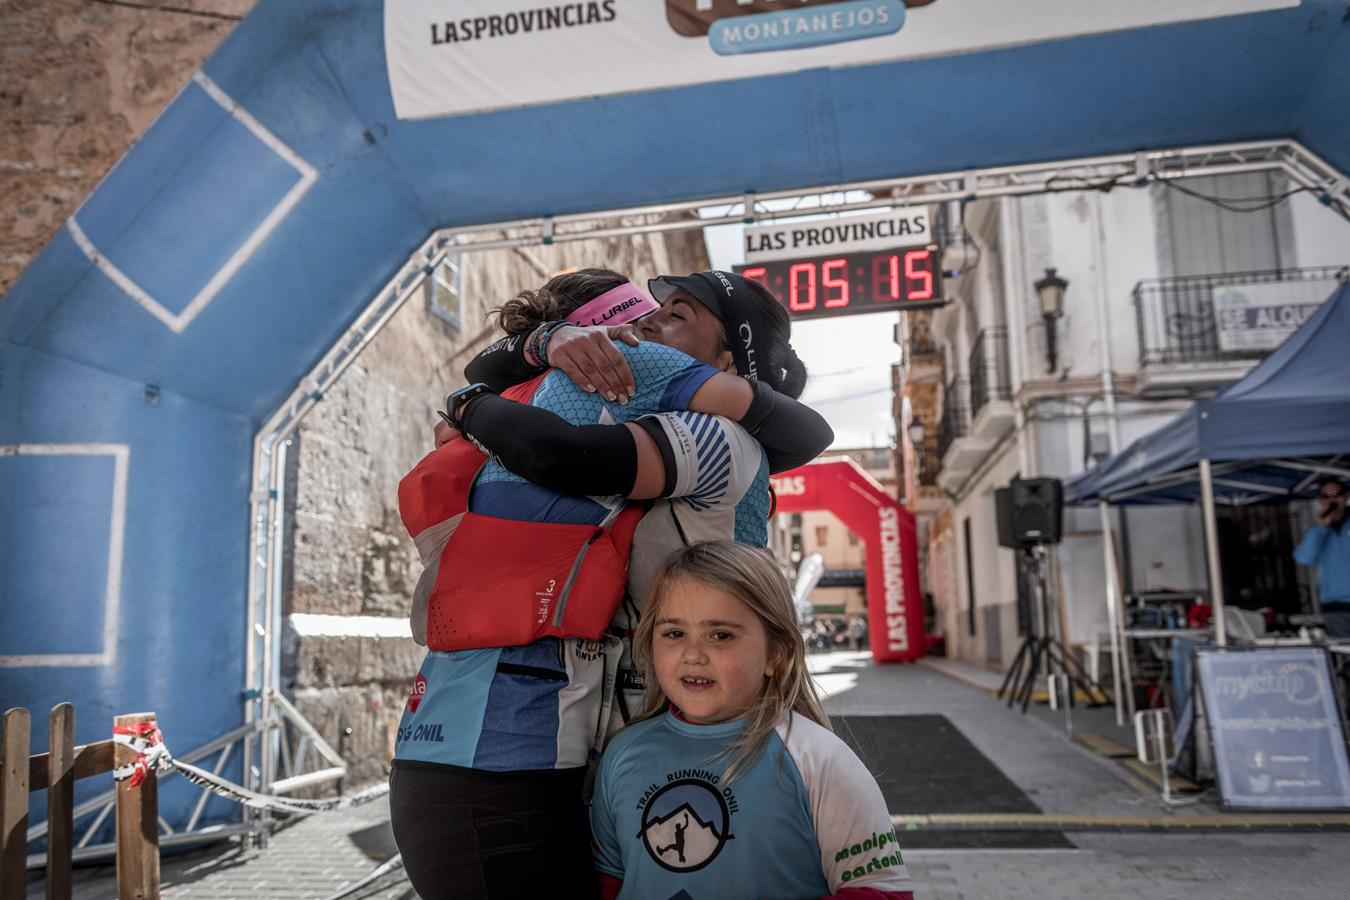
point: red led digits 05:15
(871, 281)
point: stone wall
(80, 81)
(350, 556)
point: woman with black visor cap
(710, 478)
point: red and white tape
(153, 756)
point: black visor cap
(732, 299)
(662, 286)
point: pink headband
(615, 307)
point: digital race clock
(847, 283)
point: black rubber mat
(926, 766)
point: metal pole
(1160, 741)
(1014, 287)
(259, 500)
(1113, 613)
(1104, 327)
(1052, 625)
(1061, 697)
(271, 574)
(1212, 552)
(276, 551)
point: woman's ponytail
(526, 311)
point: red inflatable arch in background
(894, 604)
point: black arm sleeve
(652, 426)
(501, 364)
(584, 460)
(791, 433)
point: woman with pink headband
(492, 752)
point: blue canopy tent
(1268, 436)
(154, 353)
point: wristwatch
(457, 402)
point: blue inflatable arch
(222, 259)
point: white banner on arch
(447, 57)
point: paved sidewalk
(314, 857)
(1142, 867)
(1057, 774)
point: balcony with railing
(923, 354)
(955, 422)
(1202, 331)
(991, 412)
(928, 496)
(930, 463)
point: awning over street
(1267, 436)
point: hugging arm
(543, 447)
(631, 459)
(502, 364)
(587, 355)
(791, 433)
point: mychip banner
(447, 57)
(1276, 728)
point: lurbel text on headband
(616, 306)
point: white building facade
(1004, 392)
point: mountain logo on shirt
(685, 825)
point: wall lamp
(1050, 290)
(915, 431)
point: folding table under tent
(1269, 436)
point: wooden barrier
(137, 809)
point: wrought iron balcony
(1224, 319)
(990, 376)
(955, 422)
(930, 463)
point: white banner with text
(448, 57)
(1260, 316)
(908, 227)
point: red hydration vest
(493, 582)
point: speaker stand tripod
(1041, 652)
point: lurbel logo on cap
(759, 26)
(726, 282)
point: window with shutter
(446, 293)
(1200, 237)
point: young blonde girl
(731, 783)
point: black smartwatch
(457, 402)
